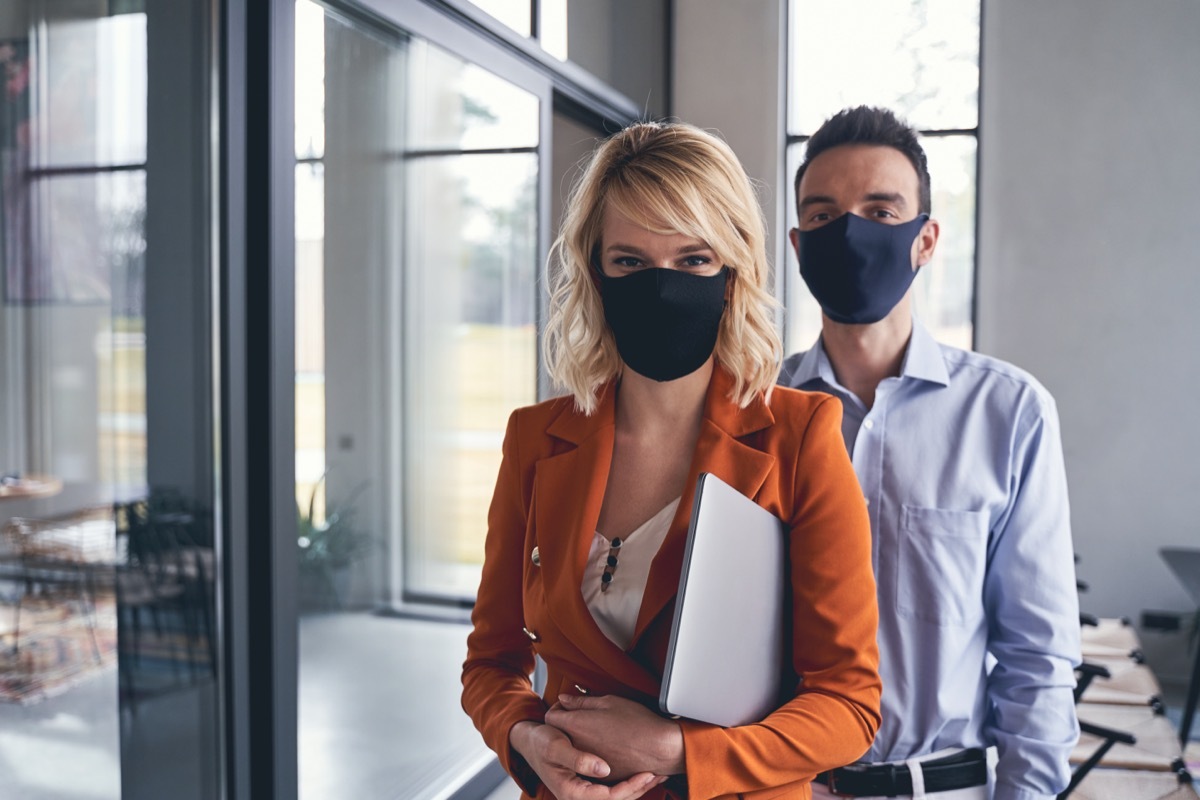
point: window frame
(791, 139)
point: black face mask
(665, 321)
(858, 269)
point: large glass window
(417, 252)
(108, 630)
(920, 59)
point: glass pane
(919, 58)
(472, 359)
(460, 106)
(108, 631)
(944, 289)
(516, 14)
(552, 28)
(87, 235)
(415, 338)
(95, 92)
(310, 80)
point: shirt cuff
(1006, 791)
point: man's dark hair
(867, 125)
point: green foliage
(335, 541)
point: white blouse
(616, 610)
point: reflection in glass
(95, 91)
(944, 289)
(107, 560)
(919, 58)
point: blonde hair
(670, 178)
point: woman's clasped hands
(600, 748)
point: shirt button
(867, 500)
(869, 424)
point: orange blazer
(788, 455)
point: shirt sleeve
(834, 716)
(497, 691)
(1033, 616)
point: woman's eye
(697, 261)
(629, 262)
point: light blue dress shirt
(961, 464)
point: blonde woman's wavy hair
(671, 178)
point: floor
(379, 720)
(379, 708)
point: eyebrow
(628, 248)
(886, 197)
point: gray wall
(621, 42)
(729, 61)
(1089, 273)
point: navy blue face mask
(665, 321)
(858, 269)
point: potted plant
(328, 547)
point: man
(960, 460)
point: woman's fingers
(562, 753)
(576, 788)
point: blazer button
(536, 557)
(533, 637)
(580, 689)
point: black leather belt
(957, 771)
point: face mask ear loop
(730, 277)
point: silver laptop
(725, 659)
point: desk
(1185, 563)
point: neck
(864, 355)
(650, 407)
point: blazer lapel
(568, 493)
(719, 452)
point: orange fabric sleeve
(497, 692)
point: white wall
(729, 60)
(1089, 266)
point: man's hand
(565, 770)
(629, 737)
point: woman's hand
(565, 770)
(629, 737)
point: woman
(662, 331)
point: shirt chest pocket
(943, 556)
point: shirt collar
(923, 360)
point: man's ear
(926, 243)
(794, 238)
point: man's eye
(884, 213)
(820, 216)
